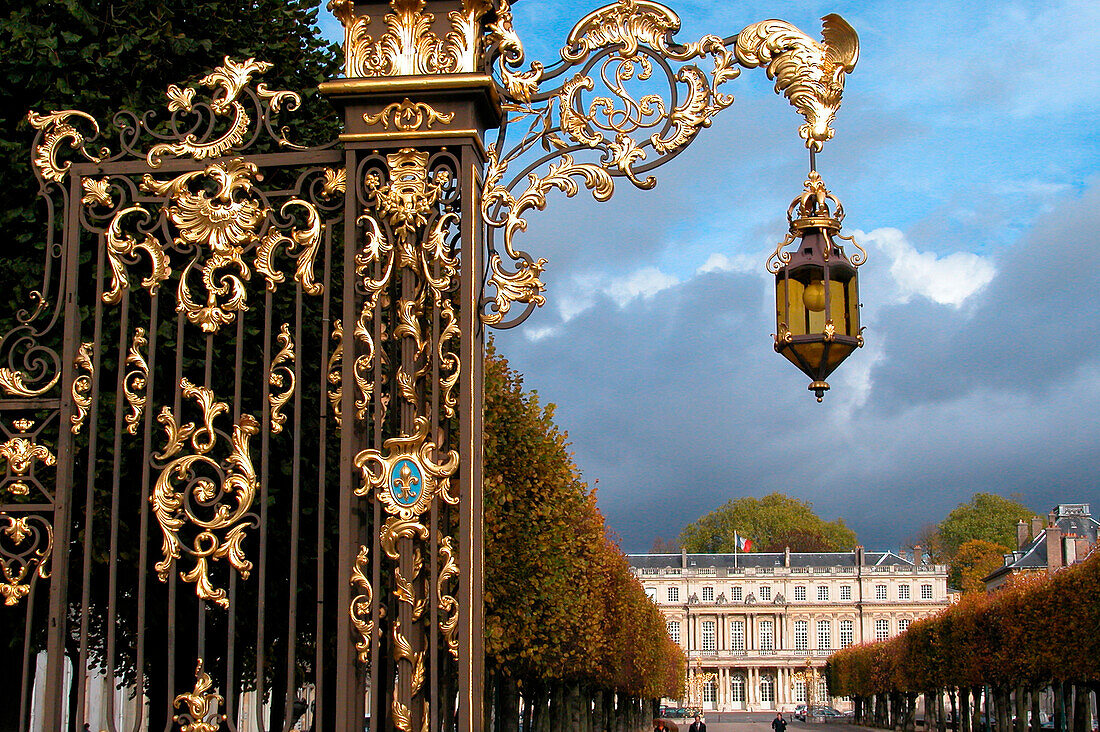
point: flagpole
(735, 543)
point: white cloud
(718, 262)
(645, 282)
(948, 280)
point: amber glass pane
(838, 310)
(811, 352)
(853, 307)
(837, 353)
(799, 322)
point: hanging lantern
(816, 290)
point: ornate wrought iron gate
(242, 422)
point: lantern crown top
(812, 209)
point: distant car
(826, 712)
(800, 712)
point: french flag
(743, 544)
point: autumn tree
(768, 522)
(988, 517)
(973, 562)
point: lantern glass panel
(852, 302)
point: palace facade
(758, 627)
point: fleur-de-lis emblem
(406, 483)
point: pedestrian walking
(698, 725)
(779, 724)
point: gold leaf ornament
(202, 704)
(26, 543)
(281, 376)
(219, 512)
(57, 128)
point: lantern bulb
(813, 297)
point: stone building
(752, 623)
(1065, 537)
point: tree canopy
(988, 517)
(973, 562)
(772, 523)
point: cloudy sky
(967, 156)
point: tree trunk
(964, 720)
(1036, 717)
(1081, 711)
(941, 711)
(558, 714)
(953, 697)
(1059, 706)
(573, 705)
(1021, 708)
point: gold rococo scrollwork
(26, 543)
(281, 376)
(224, 507)
(14, 383)
(448, 605)
(361, 605)
(137, 377)
(408, 115)
(406, 475)
(82, 386)
(219, 225)
(202, 704)
(409, 45)
(56, 128)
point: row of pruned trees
(1042, 633)
(571, 640)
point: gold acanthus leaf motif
(281, 376)
(121, 248)
(14, 383)
(17, 563)
(448, 605)
(808, 73)
(96, 192)
(520, 85)
(82, 386)
(228, 81)
(225, 222)
(409, 46)
(335, 371)
(56, 129)
(222, 534)
(407, 116)
(202, 705)
(137, 378)
(334, 181)
(361, 605)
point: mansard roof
(766, 559)
(1073, 519)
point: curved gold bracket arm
(626, 91)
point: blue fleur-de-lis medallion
(406, 482)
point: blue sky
(967, 158)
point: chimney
(1036, 526)
(787, 557)
(1054, 546)
(1021, 534)
(859, 555)
(683, 558)
(918, 554)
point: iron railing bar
(27, 688)
(143, 536)
(265, 477)
(28, 404)
(378, 674)
(295, 510)
(177, 403)
(322, 473)
(116, 486)
(232, 692)
(433, 516)
(89, 488)
(201, 622)
(182, 165)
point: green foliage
(103, 56)
(561, 604)
(769, 522)
(987, 517)
(973, 562)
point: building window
(765, 593)
(903, 592)
(767, 635)
(737, 635)
(824, 635)
(926, 592)
(800, 690)
(823, 692)
(846, 633)
(767, 689)
(845, 592)
(710, 692)
(801, 635)
(737, 689)
(708, 594)
(674, 594)
(800, 592)
(880, 592)
(650, 570)
(823, 593)
(735, 593)
(674, 630)
(882, 629)
(903, 625)
(710, 635)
